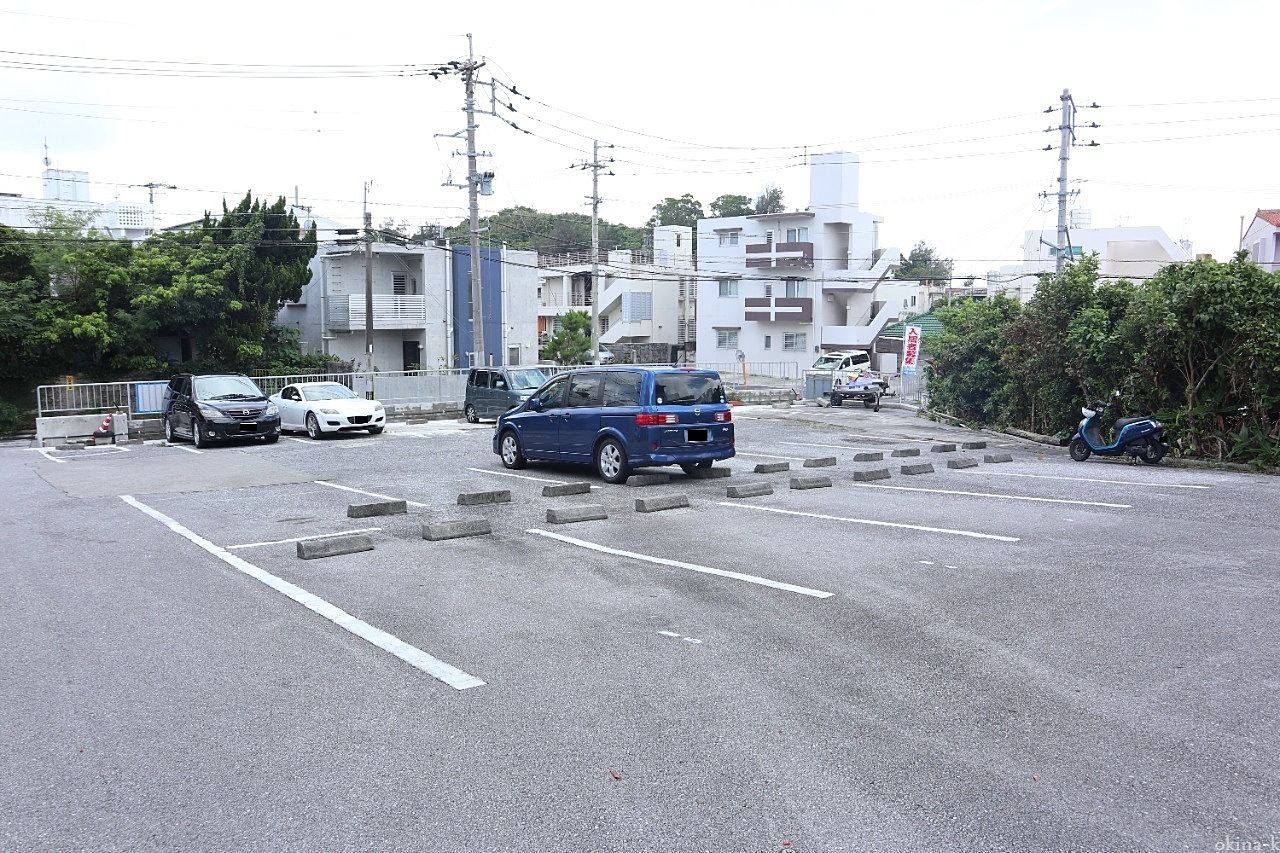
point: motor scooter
(1137, 437)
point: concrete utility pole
(473, 200)
(478, 184)
(595, 166)
(368, 291)
(1067, 140)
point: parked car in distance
(493, 390)
(327, 407)
(209, 408)
(619, 419)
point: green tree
(548, 233)
(732, 205)
(685, 210)
(925, 265)
(572, 343)
(769, 200)
(223, 283)
(968, 376)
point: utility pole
(1067, 140)
(595, 166)
(368, 291)
(478, 184)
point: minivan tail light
(652, 419)
(724, 416)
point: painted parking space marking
(48, 454)
(973, 534)
(769, 456)
(321, 443)
(835, 446)
(411, 655)
(380, 497)
(892, 438)
(1095, 480)
(676, 564)
(995, 495)
(523, 477)
(302, 538)
(184, 447)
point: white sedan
(322, 407)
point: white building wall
(848, 280)
(1262, 242)
(1123, 252)
(520, 304)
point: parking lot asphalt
(1034, 654)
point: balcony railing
(574, 259)
(389, 312)
(775, 255)
(557, 300)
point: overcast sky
(917, 89)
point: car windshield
(687, 389)
(525, 380)
(827, 362)
(226, 388)
(330, 391)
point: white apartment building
(1262, 240)
(1134, 252)
(646, 296)
(421, 303)
(782, 287)
(67, 192)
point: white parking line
(303, 538)
(660, 561)
(321, 443)
(834, 446)
(363, 492)
(894, 438)
(874, 523)
(523, 476)
(411, 655)
(769, 456)
(1092, 480)
(995, 495)
(184, 447)
(48, 454)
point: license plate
(697, 435)
(248, 427)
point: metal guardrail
(146, 397)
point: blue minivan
(620, 418)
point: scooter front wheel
(1079, 450)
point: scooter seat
(1121, 423)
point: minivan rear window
(687, 389)
(622, 388)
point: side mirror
(534, 404)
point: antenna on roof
(46, 152)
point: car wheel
(611, 462)
(375, 430)
(313, 427)
(509, 450)
(196, 436)
(271, 439)
(837, 400)
(867, 404)
(168, 430)
(470, 412)
(1079, 450)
